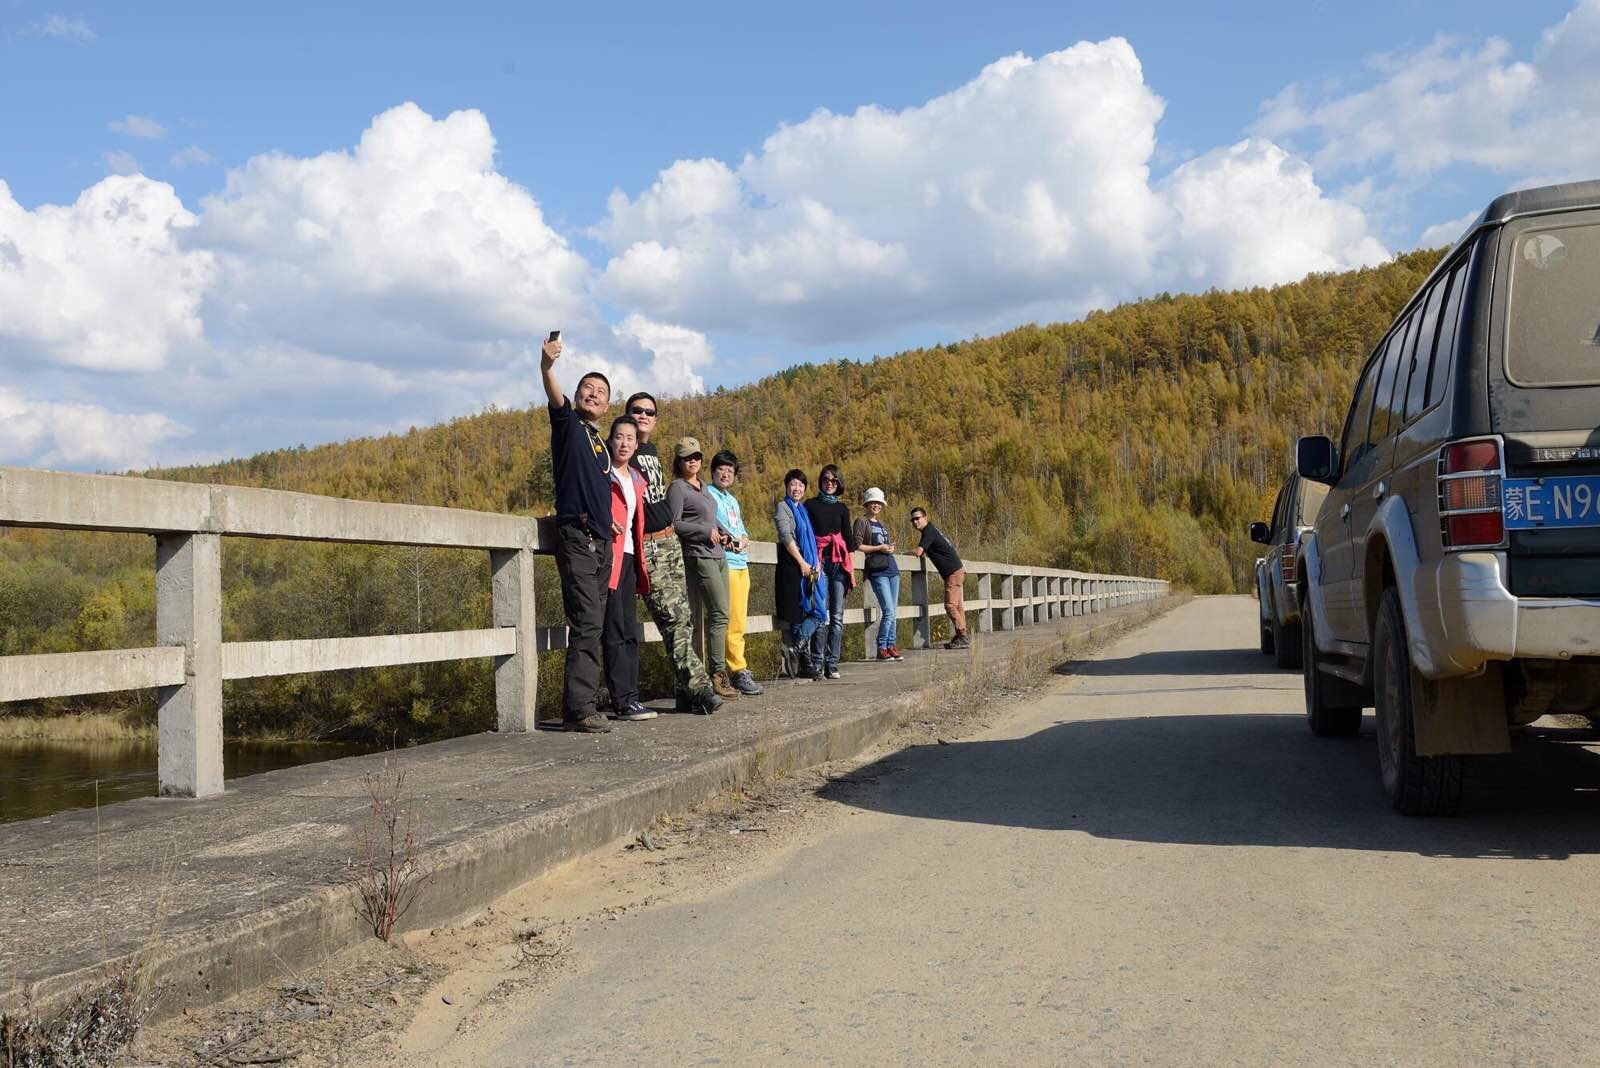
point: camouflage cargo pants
(668, 602)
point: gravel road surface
(1151, 861)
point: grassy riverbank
(88, 727)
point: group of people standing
(625, 532)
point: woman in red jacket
(620, 638)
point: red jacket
(619, 515)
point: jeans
(828, 641)
(708, 584)
(798, 635)
(886, 586)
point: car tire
(1329, 711)
(1416, 785)
(1286, 645)
(1266, 639)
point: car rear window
(1553, 307)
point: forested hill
(1138, 440)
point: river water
(38, 778)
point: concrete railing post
(919, 598)
(189, 614)
(985, 594)
(516, 677)
(1036, 611)
(1050, 605)
(1004, 617)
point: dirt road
(1150, 862)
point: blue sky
(1246, 144)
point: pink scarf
(832, 549)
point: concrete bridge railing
(190, 661)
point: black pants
(584, 562)
(621, 638)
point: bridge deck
(237, 888)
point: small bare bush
(93, 1029)
(386, 875)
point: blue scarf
(812, 597)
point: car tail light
(1286, 562)
(1469, 494)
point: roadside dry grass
(428, 997)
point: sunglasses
(642, 411)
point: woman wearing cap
(694, 517)
(883, 573)
(724, 469)
(836, 540)
(797, 589)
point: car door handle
(1379, 490)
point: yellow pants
(738, 607)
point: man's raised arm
(547, 364)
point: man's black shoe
(706, 703)
(588, 725)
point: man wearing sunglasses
(668, 599)
(939, 549)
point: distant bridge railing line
(190, 660)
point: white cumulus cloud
(104, 283)
(1027, 190)
(141, 126)
(1458, 102)
(69, 29)
(44, 434)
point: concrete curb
(233, 956)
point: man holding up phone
(581, 464)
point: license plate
(1558, 501)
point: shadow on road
(1177, 662)
(1236, 780)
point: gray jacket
(783, 519)
(694, 517)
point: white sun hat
(873, 494)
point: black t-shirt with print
(937, 548)
(657, 512)
(582, 469)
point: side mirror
(1260, 533)
(1316, 459)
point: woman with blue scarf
(801, 602)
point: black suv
(1452, 579)
(1277, 573)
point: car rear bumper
(1469, 617)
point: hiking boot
(701, 704)
(789, 663)
(960, 641)
(590, 724)
(745, 683)
(721, 687)
(635, 711)
(831, 673)
(894, 653)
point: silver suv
(1278, 573)
(1452, 579)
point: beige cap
(872, 495)
(687, 447)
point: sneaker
(885, 655)
(635, 711)
(745, 683)
(894, 653)
(831, 673)
(721, 687)
(591, 724)
(960, 641)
